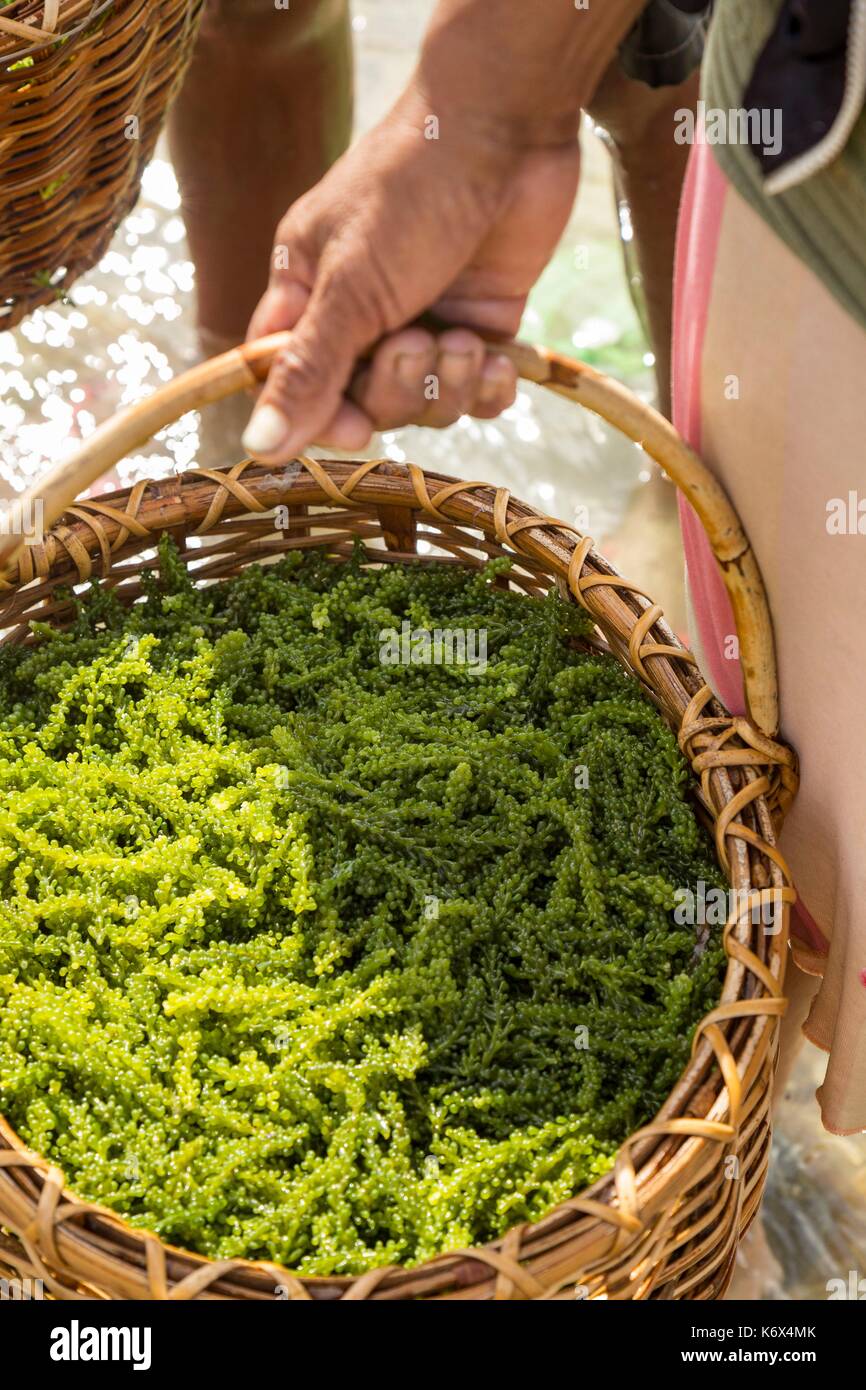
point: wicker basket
(666, 1221)
(73, 74)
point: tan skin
(264, 111)
(453, 227)
(462, 225)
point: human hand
(462, 225)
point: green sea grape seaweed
(332, 961)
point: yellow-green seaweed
(337, 963)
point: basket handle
(245, 366)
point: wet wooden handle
(243, 367)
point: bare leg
(266, 108)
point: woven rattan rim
(665, 1222)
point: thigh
(783, 419)
(782, 410)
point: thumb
(306, 382)
(281, 305)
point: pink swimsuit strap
(700, 224)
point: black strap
(666, 44)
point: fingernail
(454, 367)
(410, 367)
(267, 430)
(495, 376)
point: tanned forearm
(520, 64)
(459, 218)
(523, 71)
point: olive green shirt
(822, 219)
